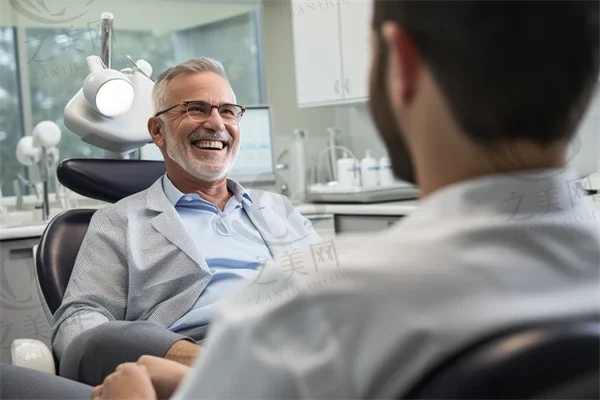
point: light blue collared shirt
(232, 254)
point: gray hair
(160, 97)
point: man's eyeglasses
(200, 111)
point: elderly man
(498, 239)
(153, 266)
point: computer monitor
(255, 159)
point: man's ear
(156, 129)
(404, 62)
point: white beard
(178, 152)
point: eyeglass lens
(200, 111)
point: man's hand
(129, 382)
(183, 352)
(166, 375)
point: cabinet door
(355, 21)
(363, 223)
(317, 51)
(22, 313)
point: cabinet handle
(336, 86)
(20, 254)
(348, 85)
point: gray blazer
(137, 262)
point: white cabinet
(323, 224)
(364, 223)
(22, 312)
(355, 17)
(332, 50)
(317, 53)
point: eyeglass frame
(185, 104)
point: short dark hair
(509, 69)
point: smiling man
(153, 266)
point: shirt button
(187, 198)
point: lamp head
(108, 91)
(144, 66)
(46, 134)
(27, 153)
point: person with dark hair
(477, 102)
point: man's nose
(214, 121)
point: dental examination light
(112, 108)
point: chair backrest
(553, 360)
(57, 251)
(108, 179)
(101, 179)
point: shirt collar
(529, 193)
(174, 195)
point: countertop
(392, 208)
(395, 208)
(22, 231)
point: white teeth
(209, 144)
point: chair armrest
(31, 353)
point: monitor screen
(254, 162)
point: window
(11, 128)
(236, 43)
(56, 68)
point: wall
(129, 14)
(584, 157)
(358, 131)
(280, 80)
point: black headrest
(108, 180)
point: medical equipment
(112, 108)
(349, 189)
(386, 176)
(369, 171)
(297, 181)
(255, 159)
(332, 142)
(347, 168)
(39, 152)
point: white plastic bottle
(297, 182)
(386, 176)
(346, 171)
(369, 170)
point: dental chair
(550, 360)
(107, 180)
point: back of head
(508, 69)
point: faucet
(283, 190)
(279, 166)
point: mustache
(223, 136)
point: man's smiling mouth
(210, 144)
